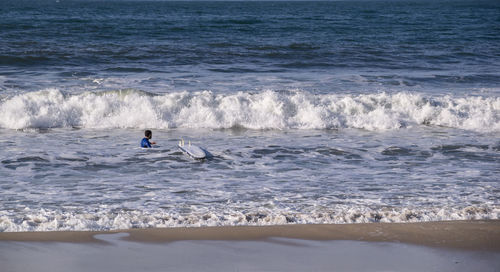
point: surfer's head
(148, 134)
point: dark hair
(147, 133)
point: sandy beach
(433, 246)
(469, 235)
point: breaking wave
(53, 108)
(49, 220)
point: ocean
(314, 112)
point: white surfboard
(192, 150)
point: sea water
(313, 112)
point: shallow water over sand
(276, 254)
(82, 179)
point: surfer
(145, 141)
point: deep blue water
(355, 46)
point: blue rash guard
(145, 143)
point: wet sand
(436, 246)
(471, 235)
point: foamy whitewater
(72, 161)
(263, 110)
(313, 112)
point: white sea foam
(51, 220)
(263, 110)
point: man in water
(145, 141)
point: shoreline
(481, 235)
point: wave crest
(263, 110)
